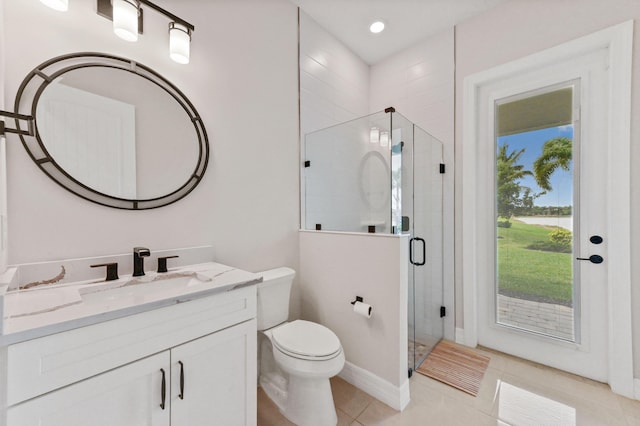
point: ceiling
(407, 21)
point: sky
(561, 181)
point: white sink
(50, 309)
(29, 302)
(137, 291)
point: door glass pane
(535, 155)
(427, 225)
(422, 217)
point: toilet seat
(306, 340)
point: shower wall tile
(419, 83)
(334, 82)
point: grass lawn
(532, 274)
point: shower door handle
(424, 251)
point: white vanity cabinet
(219, 379)
(111, 373)
(126, 396)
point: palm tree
(556, 153)
(511, 195)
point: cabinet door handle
(181, 396)
(163, 389)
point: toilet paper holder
(358, 299)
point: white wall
(242, 79)
(419, 83)
(4, 254)
(513, 30)
(337, 267)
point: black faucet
(139, 253)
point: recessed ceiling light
(376, 27)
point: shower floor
(422, 349)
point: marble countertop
(29, 314)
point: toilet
(297, 358)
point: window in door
(535, 180)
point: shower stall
(383, 174)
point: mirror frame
(44, 74)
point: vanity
(172, 347)
(177, 348)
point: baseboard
(460, 335)
(395, 397)
(636, 389)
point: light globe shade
(376, 27)
(125, 19)
(59, 5)
(179, 43)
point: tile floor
(513, 392)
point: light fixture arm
(168, 14)
(105, 9)
(30, 131)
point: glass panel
(422, 210)
(347, 184)
(535, 207)
(427, 225)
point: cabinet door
(127, 396)
(219, 379)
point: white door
(213, 379)
(501, 309)
(540, 302)
(127, 396)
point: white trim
(469, 262)
(619, 211)
(460, 336)
(618, 40)
(636, 389)
(396, 397)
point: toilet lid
(306, 339)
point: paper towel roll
(363, 309)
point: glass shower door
(424, 182)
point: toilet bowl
(296, 359)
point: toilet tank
(273, 297)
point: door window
(535, 152)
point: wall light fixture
(127, 20)
(179, 42)
(127, 17)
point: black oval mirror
(113, 131)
